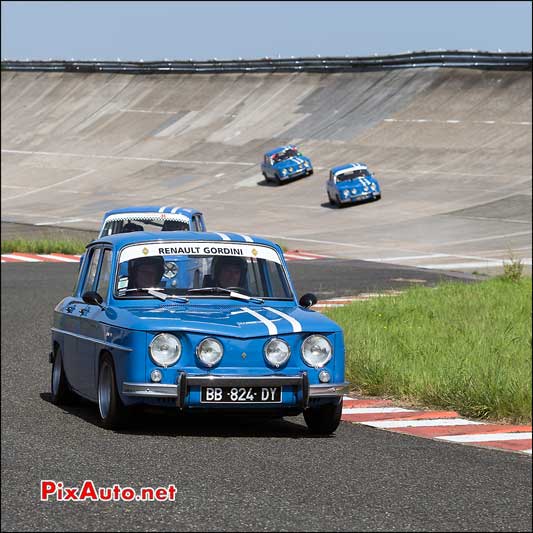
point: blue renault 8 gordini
(237, 340)
(351, 183)
(284, 163)
(152, 218)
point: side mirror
(307, 300)
(92, 298)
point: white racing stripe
(162, 209)
(296, 326)
(223, 236)
(374, 410)
(272, 329)
(389, 424)
(487, 437)
(174, 209)
(245, 237)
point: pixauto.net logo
(52, 490)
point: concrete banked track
(450, 147)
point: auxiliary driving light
(324, 376)
(155, 375)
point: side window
(197, 223)
(105, 272)
(91, 273)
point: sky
(107, 30)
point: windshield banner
(202, 248)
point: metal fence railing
(450, 59)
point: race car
(284, 163)
(239, 341)
(351, 183)
(151, 218)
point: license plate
(240, 395)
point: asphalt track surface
(236, 474)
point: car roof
(187, 211)
(123, 239)
(349, 166)
(279, 149)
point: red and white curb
(19, 257)
(339, 302)
(438, 425)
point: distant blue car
(351, 183)
(284, 163)
(238, 341)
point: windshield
(200, 270)
(287, 154)
(354, 174)
(126, 223)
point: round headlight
(284, 171)
(277, 352)
(290, 169)
(209, 352)
(306, 164)
(346, 192)
(165, 349)
(316, 351)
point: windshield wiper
(156, 294)
(229, 292)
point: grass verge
(44, 246)
(465, 347)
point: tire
(310, 172)
(378, 197)
(59, 388)
(324, 419)
(267, 179)
(111, 410)
(277, 180)
(331, 201)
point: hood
(235, 320)
(361, 185)
(294, 162)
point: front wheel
(324, 419)
(309, 172)
(277, 180)
(110, 407)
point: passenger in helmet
(229, 272)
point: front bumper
(359, 197)
(179, 391)
(298, 172)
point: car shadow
(329, 205)
(265, 183)
(166, 422)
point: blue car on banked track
(235, 340)
(284, 163)
(351, 183)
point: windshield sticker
(199, 249)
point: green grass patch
(465, 347)
(44, 246)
